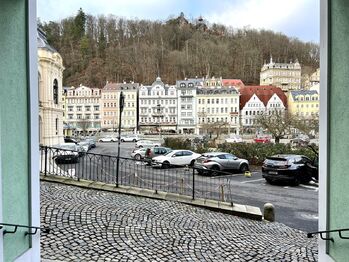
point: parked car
(91, 141)
(294, 169)
(108, 139)
(234, 139)
(152, 152)
(262, 139)
(66, 153)
(211, 163)
(69, 139)
(300, 140)
(139, 153)
(84, 146)
(175, 158)
(129, 138)
(147, 143)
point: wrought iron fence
(184, 180)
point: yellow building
(287, 76)
(304, 103)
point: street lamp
(121, 108)
(159, 115)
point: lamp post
(121, 108)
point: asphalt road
(296, 207)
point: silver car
(138, 154)
(212, 163)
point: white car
(234, 139)
(139, 154)
(129, 138)
(176, 158)
(108, 139)
(147, 143)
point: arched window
(55, 91)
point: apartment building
(158, 105)
(286, 76)
(304, 103)
(110, 102)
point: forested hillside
(100, 49)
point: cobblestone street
(91, 225)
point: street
(294, 206)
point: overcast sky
(295, 18)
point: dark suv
(289, 168)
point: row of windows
(156, 102)
(203, 120)
(187, 114)
(307, 114)
(81, 116)
(117, 95)
(156, 110)
(117, 105)
(124, 113)
(125, 122)
(307, 105)
(307, 98)
(217, 100)
(82, 100)
(156, 120)
(158, 93)
(282, 73)
(79, 108)
(218, 110)
(84, 93)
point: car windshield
(168, 152)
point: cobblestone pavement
(91, 225)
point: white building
(286, 76)
(258, 100)
(187, 106)
(216, 106)
(158, 107)
(83, 111)
(50, 78)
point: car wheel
(134, 140)
(156, 146)
(122, 140)
(192, 163)
(138, 157)
(140, 146)
(269, 181)
(295, 182)
(215, 170)
(243, 168)
(165, 164)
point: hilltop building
(286, 76)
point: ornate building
(287, 76)
(82, 109)
(158, 107)
(50, 78)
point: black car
(293, 169)
(69, 139)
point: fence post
(45, 170)
(193, 196)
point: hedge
(255, 153)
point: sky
(295, 18)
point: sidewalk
(94, 225)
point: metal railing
(183, 180)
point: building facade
(158, 105)
(304, 103)
(259, 100)
(286, 76)
(50, 67)
(82, 109)
(217, 106)
(187, 106)
(110, 102)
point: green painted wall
(338, 92)
(14, 123)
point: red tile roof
(233, 82)
(264, 93)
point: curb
(245, 211)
